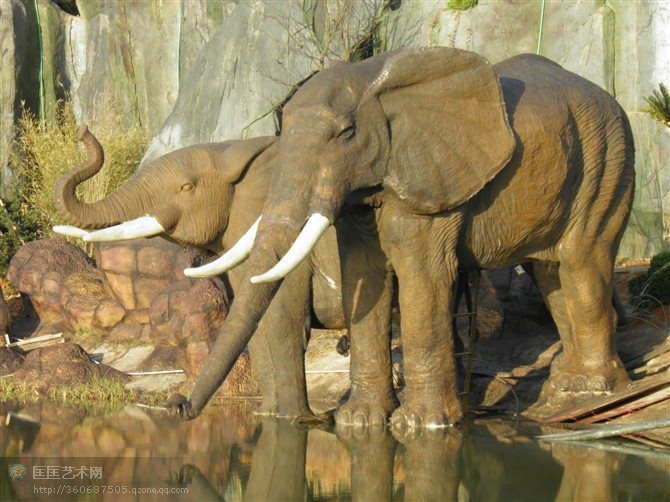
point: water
(229, 454)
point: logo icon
(17, 471)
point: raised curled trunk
(250, 304)
(119, 206)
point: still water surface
(229, 454)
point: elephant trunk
(251, 303)
(113, 209)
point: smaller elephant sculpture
(207, 196)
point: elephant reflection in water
(445, 464)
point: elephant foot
(575, 378)
(179, 405)
(364, 409)
(433, 414)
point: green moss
(652, 289)
(462, 4)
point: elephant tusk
(316, 225)
(144, 226)
(235, 255)
(70, 231)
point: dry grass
(99, 396)
(16, 391)
(42, 153)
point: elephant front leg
(367, 291)
(422, 251)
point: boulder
(10, 361)
(189, 311)
(122, 292)
(39, 270)
(63, 364)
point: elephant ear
(233, 157)
(448, 125)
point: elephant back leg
(586, 255)
(277, 349)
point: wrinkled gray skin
(465, 166)
(207, 196)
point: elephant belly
(523, 212)
(327, 283)
(557, 179)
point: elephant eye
(348, 132)
(186, 187)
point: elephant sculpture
(207, 196)
(445, 163)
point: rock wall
(193, 71)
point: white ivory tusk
(70, 231)
(233, 257)
(316, 225)
(144, 226)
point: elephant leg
(370, 480)
(423, 254)
(277, 349)
(433, 465)
(546, 276)
(589, 362)
(578, 292)
(368, 319)
(278, 463)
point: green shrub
(658, 105)
(648, 290)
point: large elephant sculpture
(207, 196)
(464, 165)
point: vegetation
(462, 4)
(658, 105)
(42, 153)
(18, 225)
(653, 289)
(99, 396)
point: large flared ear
(448, 126)
(233, 157)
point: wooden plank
(37, 339)
(606, 431)
(636, 389)
(629, 407)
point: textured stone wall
(193, 71)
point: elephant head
(185, 196)
(425, 128)
(422, 128)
